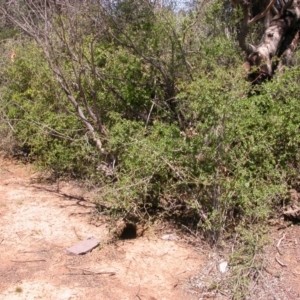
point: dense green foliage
(185, 136)
(41, 118)
(189, 138)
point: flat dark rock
(84, 246)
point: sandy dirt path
(37, 224)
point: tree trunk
(278, 42)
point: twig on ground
(190, 231)
(281, 263)
(268, 271)
(280, 240)
(137, 294)
(77, 235)
(278, 244)
(26, 261)
(176, 284)
(89, 271)
(38, 251)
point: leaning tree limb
(279, 41)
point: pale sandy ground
(37, 224)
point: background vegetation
(150, 103)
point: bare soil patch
(38, 223)
(281, 276)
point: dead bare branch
(261, 15)
(36, 18)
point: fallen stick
(93, 272)
(268, 271)
(282, 264)
(278, 244)
(38, 251)
(190, 231)
(25, 261)
(137, 294)
(280, 240)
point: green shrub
(186, 137)
(42, 118)
(231, 166)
